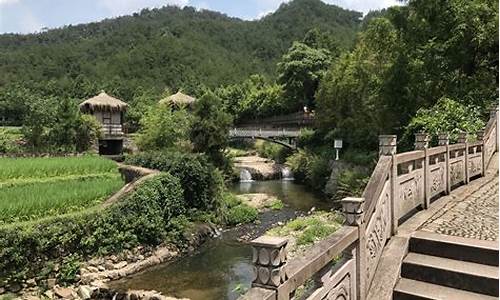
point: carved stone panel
(475, 165)
(378, 231)
(410, 192)
(338, 283)
(457, 172)
(437, 180)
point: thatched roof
(103, 101)
(179, 99)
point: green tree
(209, 132)
(87, 132)
(446, 115)
(300, 72)
(63, 130)
(163, 128)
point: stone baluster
(421, 141)
(353, 210)
(387, 144)
(443, 139)
(462, 139)
(269, 259)
(494, 115)
(480, 137)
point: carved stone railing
(401, 184)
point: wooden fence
(400, 184)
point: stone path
(475, 216)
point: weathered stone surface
(120, 265)
(14, 287)
(92, 269)
(51, 282)
(65, 293)
(31, 282)
(49, 294)
(84, 292)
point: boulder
(84, 292)
(65, 293)
(120, 265)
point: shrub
(233, 211)
(201, 181)
(310, 168)
(272, 151)
(350, 184)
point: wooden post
(353, 209)
(462, 139)
(444, 140)
(269, 259)
(480, 137)
(388, 146)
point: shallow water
(221, 268)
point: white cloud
(123, 7)
(6, 2)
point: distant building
(179, 100)
(109, 112)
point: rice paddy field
(32, 188)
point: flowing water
(245, 176)
(221, 268)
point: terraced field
(31, 188)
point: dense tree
(300, 72)
(163, 128)
(209, 132)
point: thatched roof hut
(179, 99)
(103, 102)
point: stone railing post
(353, 209)
(462, 139)
(421, 141)
(387, 144)
(480, 137)
(444, 140)
(269, 259)
(494, 115)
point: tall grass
(42, 167)
(31, 201)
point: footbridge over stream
(284, 137)
(425, 227)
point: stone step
(464, 249)
(473, 277)
(407, 289)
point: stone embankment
(260, 168)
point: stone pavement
(474, 216)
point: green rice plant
(43, 167)
(31, 201)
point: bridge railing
(400, 184)
(266, 133)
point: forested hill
(168, 47)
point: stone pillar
(480, 135)
(443, 139)
(353, 209)
(493, 112)
(269, 259)
(462, 139)
(421, 141)
(387, 144)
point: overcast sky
(25, 16)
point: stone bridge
(284, 137)
(426, 227)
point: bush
(272, 151)
(233, 211)
(310, 168)
(201, 181)
(146, 216)
(350, 184)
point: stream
(221, 268)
